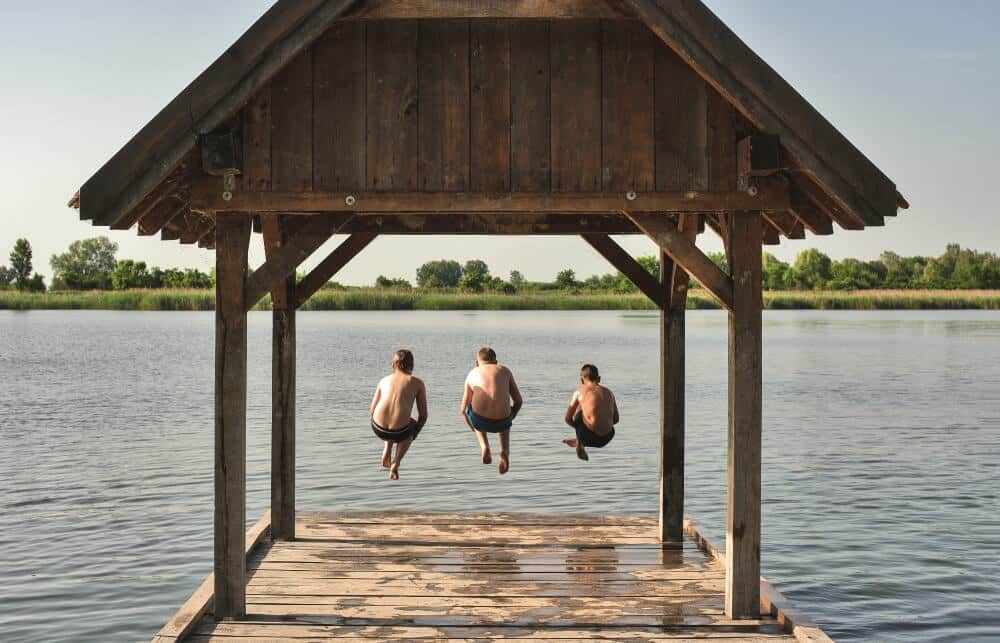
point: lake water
(880, 462)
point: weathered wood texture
(283, 305)
(489, 105)
(364, 576)
(745, 415)
(233, 238)
(672, 382)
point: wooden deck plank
(381, 576)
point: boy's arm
(421, 406)
(574, 406)
(375, 400)
(515, 395)
(614, 402)
(466, 397)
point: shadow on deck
(376, 576)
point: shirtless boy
(392, 407)
(592, 412)
(486, 404)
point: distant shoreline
(382, 299)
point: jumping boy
(486, 404)
(592, 412)
(392, 407)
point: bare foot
(386, 456)
(570, 442)
(487, 457)
(504, 464)
(580, 453)
(394, 472)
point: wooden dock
(384, 576)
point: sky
(914, 84)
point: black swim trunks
(395, 436)
(588, 438)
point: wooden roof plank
(274, 40)
(728, 64)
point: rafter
(684, 252)
(286, 259)
(624, 262)
(330, 266)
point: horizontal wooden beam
(490, 224)
(628, 266)
(207, 197)
(385, 9)
(684, 252)
(330, 266)
(284, 260)
(159, 215)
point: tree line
(92, 264)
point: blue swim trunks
(488, 425)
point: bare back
(490, 388)
(395, 396)
(598, 406)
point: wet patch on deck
(377, 576)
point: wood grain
(232, 242)
(628, 150)
(490, 105)
(576, 105)
(339, 101)
(443, 69)
(392, 105)
(744, 434)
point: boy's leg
(484, 445)
(504, 452)
(401, 449)
(386, 454)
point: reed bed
(385, 299)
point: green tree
(20, 263)
(517, 280)
(36, 283)
(811, 269)
(651, 263)
(777, 273)
(566, 279)
(397, 284)
(443, 273)
(130, 274)
(852, 274)
(87, 264)
(6, 277)
(475, 275)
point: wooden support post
(232, 242)
(675, 283)
(283, 305)
(744, 435)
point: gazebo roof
(831, 177)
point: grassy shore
(377, 299)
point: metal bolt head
(227, 196)
(752, 190)
(631, 195)
(350, 200)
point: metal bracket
(228, 186)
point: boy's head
(589, 374)
(486, 355)
(402, 360)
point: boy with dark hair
(592, 412)
(392, 407)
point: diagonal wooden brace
(337, 259)
(685, 254)
(623, 261)
(306, 240)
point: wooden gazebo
(491, 117)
